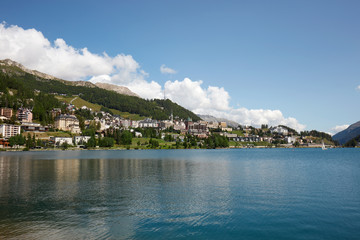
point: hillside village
(39, 111)
(82, 127)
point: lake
(181, 194)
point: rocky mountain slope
(13, 68)
(116, 88)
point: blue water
(181, 194)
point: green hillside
(26, 84)
(79, 102)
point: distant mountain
(351, 132)
(116, 88)
(210, 118)
(14, 76)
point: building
(290, 139)
(6, 112)
(33, 127)
(58, 141)
(248, 139)
(55, 112)
(226, 129)
(279, 130)
(24, 115)
(179, 125)
(148, 122)
(126, 123)
(166, 124)
(231, 136)
(81, 140)
(86, 108)
(4, 143)
(71, 108)
(213, 125)
(135, 124)
(196, 127)
(9, 130)
(67, 123)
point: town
(81, 127)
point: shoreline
(125, 149)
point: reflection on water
(179, 194)
(109, 196)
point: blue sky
(299, 57)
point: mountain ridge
(116, 88)
(351, 132)
(13, 76)
(10, 63)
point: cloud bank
(339, 128)
(215, 101)
(167, 70)
(30, 48)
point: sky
(256, 62)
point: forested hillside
(26, 85)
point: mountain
(351, 132)
(116, 88)
(13, 68)
(14, 76)
(210, 118)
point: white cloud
(30, 48)
(358, 88)
(149, 90)
(338, 128)
(166, 70)
(215, 101)
(191, 95)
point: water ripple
(216, 194)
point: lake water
(181, 194)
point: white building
(213, 124)
(61, 140)
(290, 139)
(166, 124)
(8, 130)
(67, 123)
(126, 123)
(229, 135)
(81, 140)
(135, 124)
(86, 108)
(148, 123)
(226, 129)
(179, 125)
(279, 130)
(104, 124)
